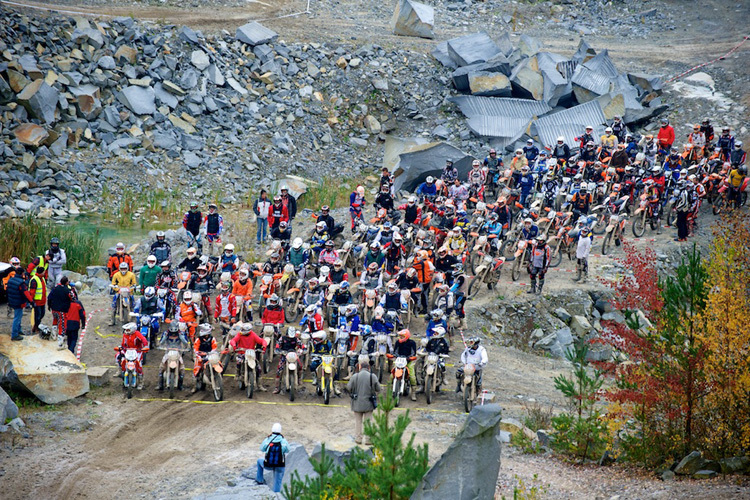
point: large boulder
(469, 467)
(691, 464)
(140, 100)
(40, 100)
(419, 161)
(413, 19)
(254, 33)
(489, 84)
(297, 460)
(527, 81)
(38, 366)
(472, 49)
(30, 134)
(8, 409)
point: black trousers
(682, 225)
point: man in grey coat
(362, 386)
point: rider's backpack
(274, 455)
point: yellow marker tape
(106, 336)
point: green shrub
(29, 237)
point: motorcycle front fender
(430, 370)
(328, 370)
(467, 381)
(218, 368)
(173, 365)
(292, 366)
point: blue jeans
(278, 475)
(261, 234)
(17, 317)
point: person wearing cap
(289, 202)
(19, 297)
(120, 256)
(362, 387)
(450, 173)
(530, 151)
(261, 208)
(148, 273)
(274, 439)
(192, 221)
(213, 224)
(277, 213)
(666, 136)
(57, 261)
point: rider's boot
(578, 273)
(413, 395)
(278, 386)
(533, 286)
(195, 387)
(585, 276)
(539, 289)
(161, 382)
(458, 386)
(179, 381)
(348, 373)
(139, 381)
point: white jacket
(59, 259)
(478, 358)
(584, 247)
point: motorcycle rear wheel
(556, 258)
(718, 205)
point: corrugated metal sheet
(591, 81)
(601, 63)
(567, 68)
(570, 123)
(508, 107)
(498, 126)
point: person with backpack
(363, 388)
(275, 447)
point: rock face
(472, 49)
(413, 19)
(469, 467)
(37, 365)
(8, 409)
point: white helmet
(187, 297)
(311, 308)
(561, 139)
(430, 179)
(229, 247)
(297, 243)
(151, 260)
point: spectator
(363, 388)
(59, 303)
(39, 264)
(76, 319)
(18, 298)
(289, 202)
(38, 291)
(275, 447)
(261, 208)
(57, 260)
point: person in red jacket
(665, 135)
(132, 339)
(277, 213)
(226, 305)
(273, 313)
(76, 320)
(247, 340)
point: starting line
(275, 403)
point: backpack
(274, 455)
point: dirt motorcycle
(433, 374)
(522, 259)
(269, 335)
(325, 376)
(400, 375)
(469, 386)
(293, 306)
(369, 301)
(483, 247)
(183, 281)
(646, 213)
(123, 302)
(488, 272)
(129, 365)
(172, 372)
(614, 232)
(211, 374)
(381, 355)
(340, 349)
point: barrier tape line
(684, 73)
(275, 403)
(79, 347)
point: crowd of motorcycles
(343, 298)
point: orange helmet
(404, 335)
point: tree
(727, 336)
(391, 471)
(582, 432)
(662, 381)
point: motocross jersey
(437, 346)
(298, 257)
(166, 280)
(205, 344)
(147, 306)
(406, 349)
(391, 301)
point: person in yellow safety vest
(39, 264)
(38, 290)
